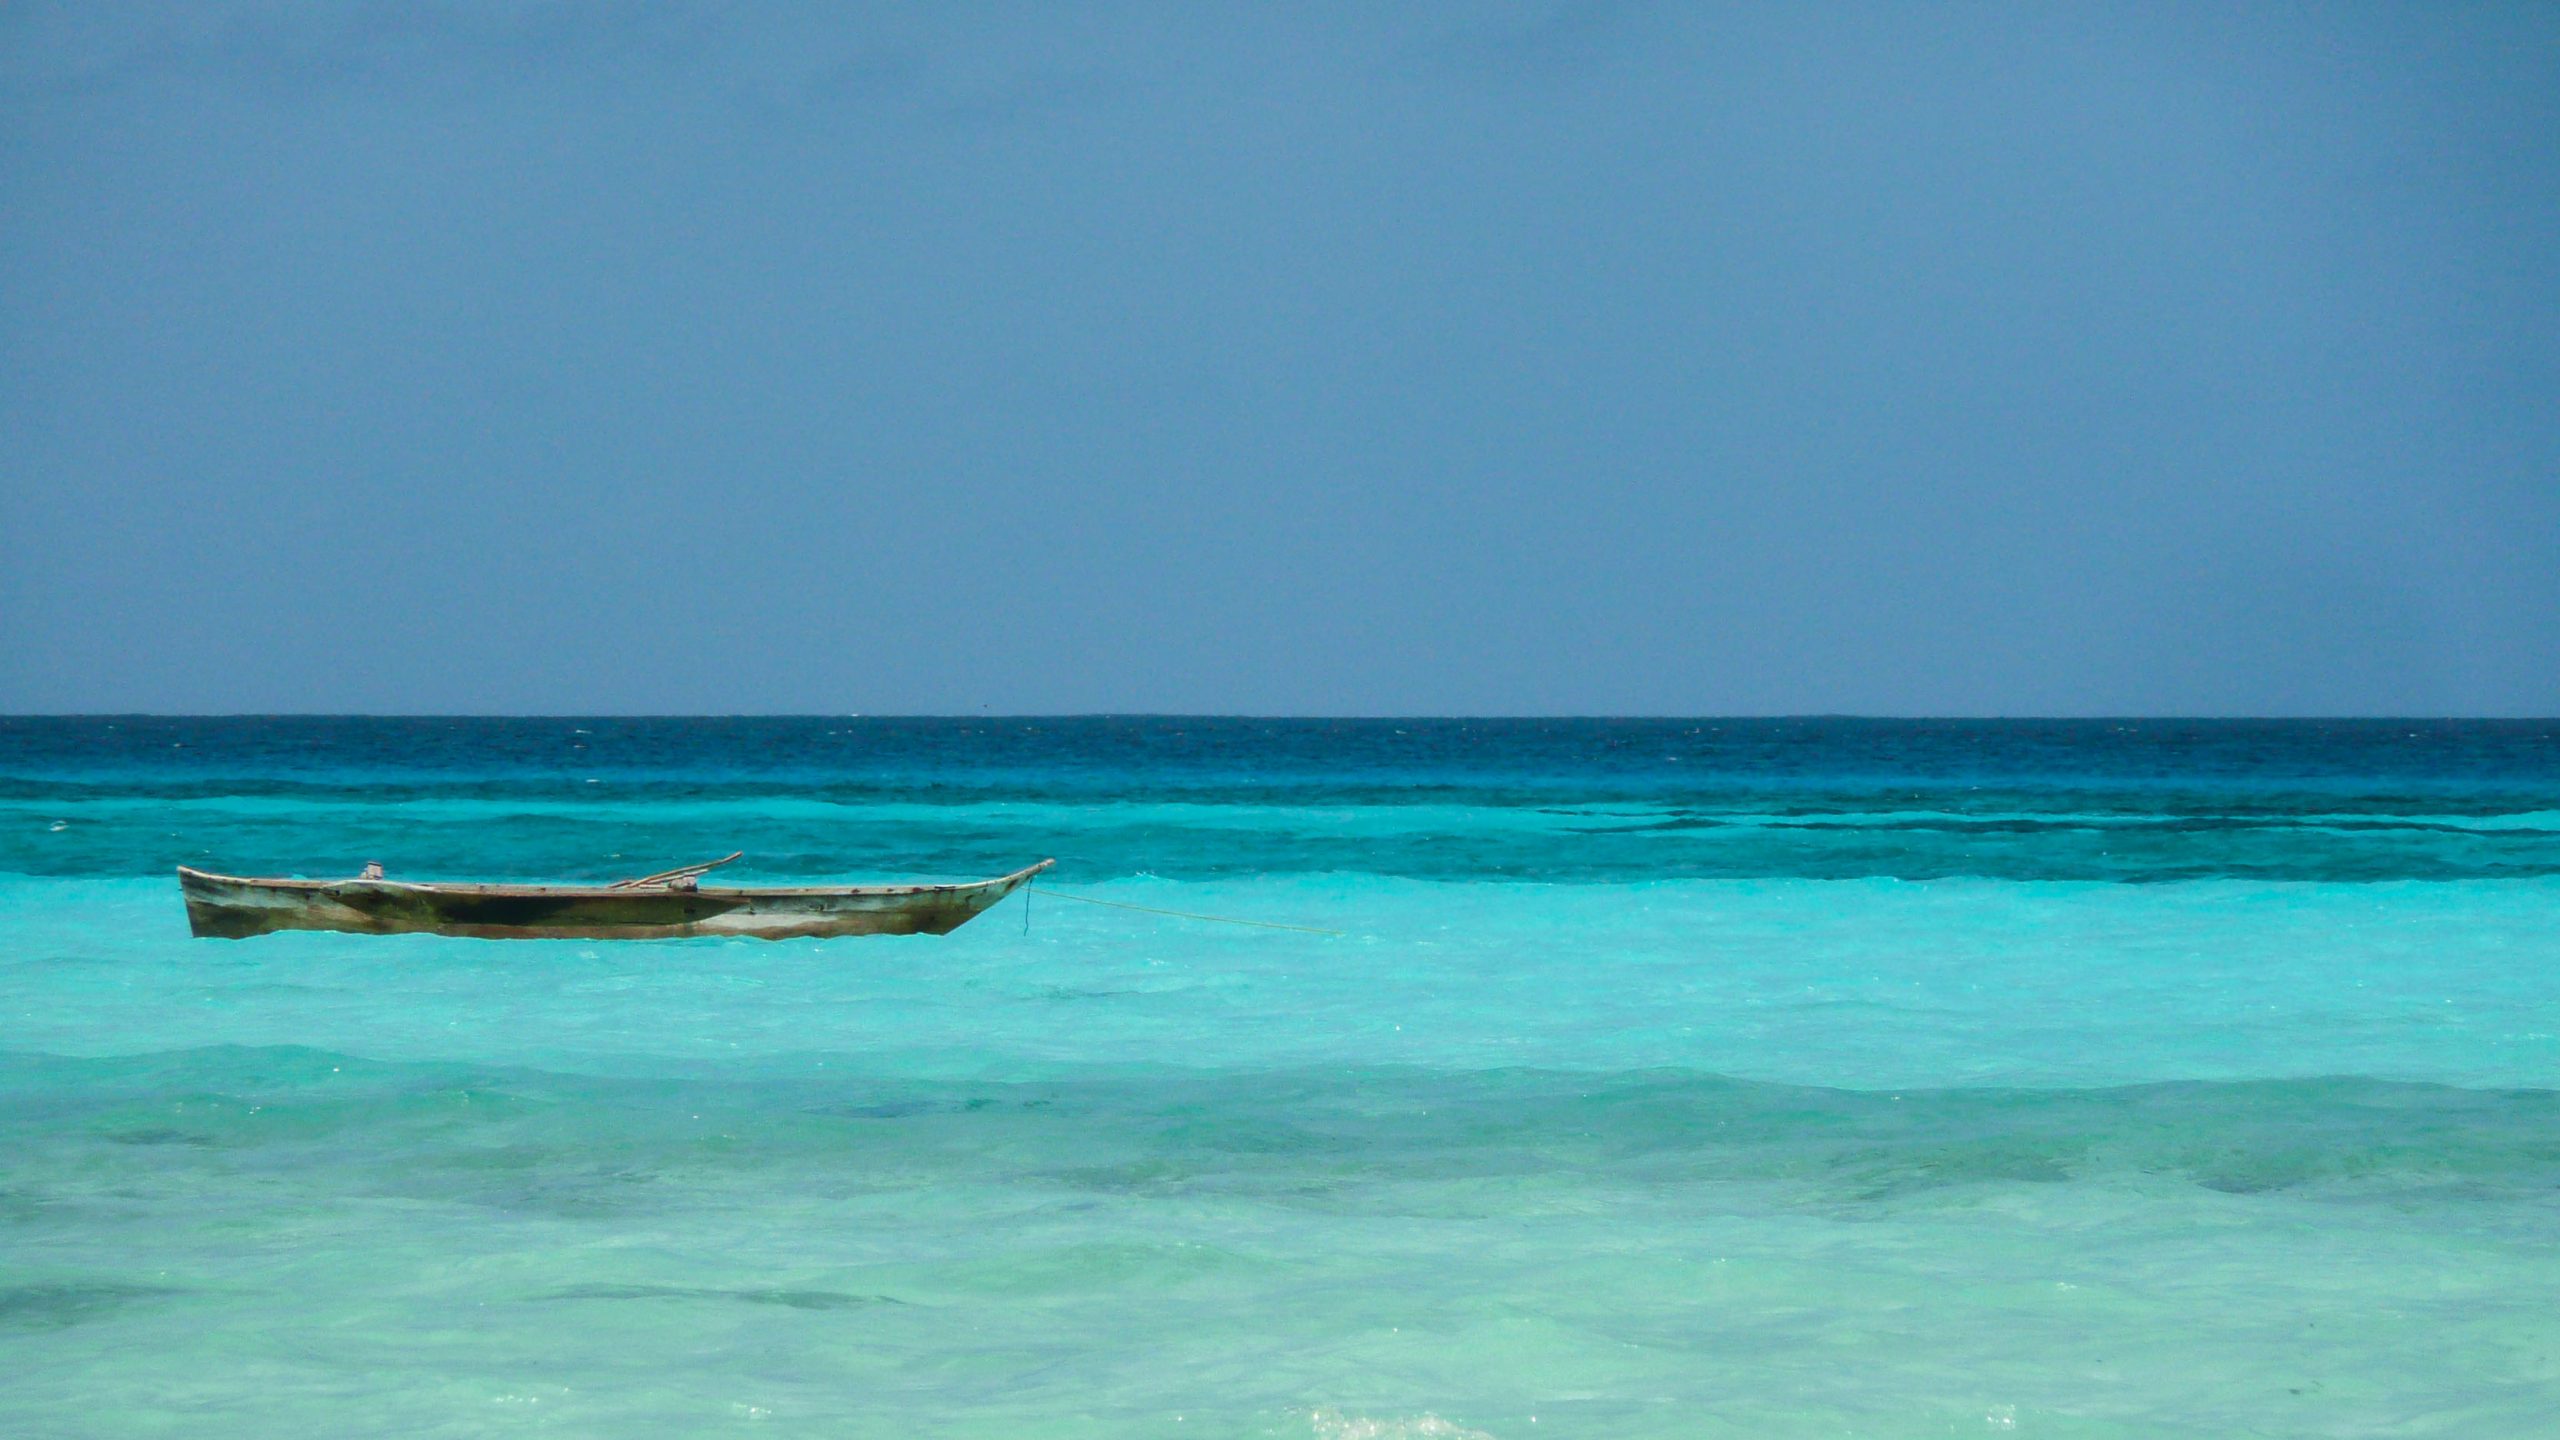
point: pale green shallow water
(2255, 1133)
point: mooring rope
(1176, 914)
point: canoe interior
(235, 907)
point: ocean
(1677, 1078)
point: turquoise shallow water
(1670, 1078)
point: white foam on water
(1331, 1424)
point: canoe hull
(234, 907)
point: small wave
(63, 1304)
(757, 1295)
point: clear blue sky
(1537, 358)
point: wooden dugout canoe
(655, 908)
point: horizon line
(1381, 716)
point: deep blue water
(1570, 800)
(1667, 1077)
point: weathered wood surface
(233, 907)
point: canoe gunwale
(600, 891)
